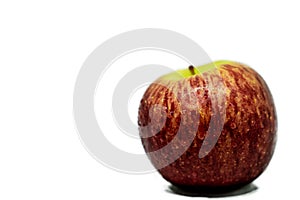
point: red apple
(197, 136)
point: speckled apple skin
(247, 141)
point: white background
(43, 45)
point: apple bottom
(235, 161)
(221, 169)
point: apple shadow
(212, 192)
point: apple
(212, 126)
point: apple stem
(192, 69)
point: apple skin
(248, 132)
